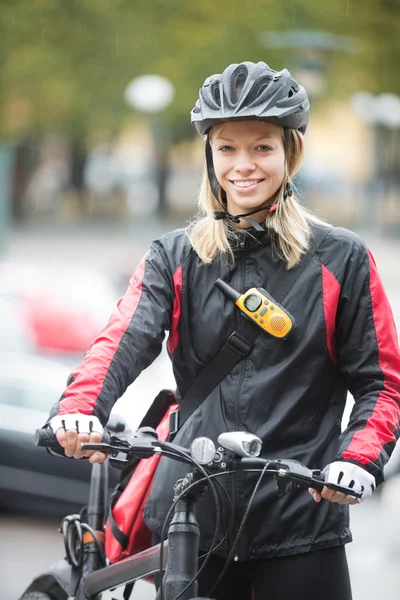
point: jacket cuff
(370, 467)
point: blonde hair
(289, 224)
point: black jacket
(291, 393)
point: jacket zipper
(242, 373)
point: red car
(60, 310)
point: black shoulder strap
(240, 342)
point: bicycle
(84, 573)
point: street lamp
(149, 93)
(383, 109)
(152, 94)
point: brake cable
(230, 555)
(73, 530)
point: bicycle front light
(241, 443)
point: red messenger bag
(126, 532)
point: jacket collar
(246, 239)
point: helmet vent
(216, 94)
(262, 88)
(256, 91)
(238, 84)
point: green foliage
(66, 63)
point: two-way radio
(258, 306)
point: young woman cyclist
(291, 395)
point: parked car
(31, 479)
(57, 308)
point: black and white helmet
(251, 90)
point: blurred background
(98, 157)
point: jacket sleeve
(368, 356)
(129, 343)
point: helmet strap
(223, 214)
(287, 193)
(211, 172)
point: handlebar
(46, 438)
(286, 471)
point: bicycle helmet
(251, 90)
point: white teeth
(246, 183)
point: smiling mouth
(246, 183)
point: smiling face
(249, 163)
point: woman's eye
(226, 148)
(264, 148)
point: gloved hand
(72, 429)
(348, 475)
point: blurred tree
(65, 64)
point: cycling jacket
(291, 393)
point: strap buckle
(239, 344)
(173, 423)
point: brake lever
(293, 471)
(102, 447)
(141, 448)
(319, 484)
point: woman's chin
(245, 207)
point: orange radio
(258, 306)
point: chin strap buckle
(221, 214)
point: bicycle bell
(202, 450)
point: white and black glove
(72, 429)
(349, 475)
(82, 423)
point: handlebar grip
(46, 438)
(319, 483)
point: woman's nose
(244, 164)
